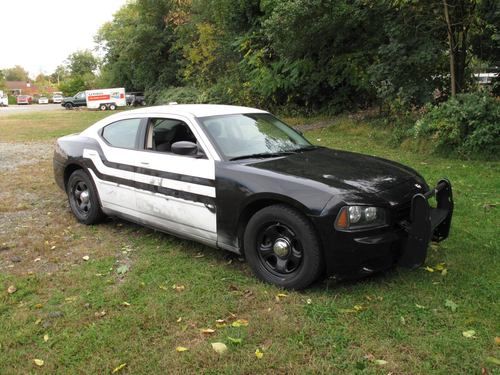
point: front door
(176, 192)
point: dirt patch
(38, 233)
(14, 155)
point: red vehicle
(24, 99)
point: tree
(459, 16)
(17, 73)
(2, 80)
(82, 62)
(60, 74)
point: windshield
(250, 135)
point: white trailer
(4, 99)
(104, 99)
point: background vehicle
(4, 99)
(24, 99)
(135, 99)
(43, 100)
(102, 99)
(77, 100)
(57, 98)
(106, 98)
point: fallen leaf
(429, 269)
(179, 319)
(493, 360)
(220, 321)
(122, 269)
(39, 362)
(181, 349)
(178, 288)
(440, 266)
(234, 341)
(38, 306)
(45, 337)
(85, 257)
(380, 362)
(309, 301)
(38, 321)
(444, 272)
(199, 255)
(452, 305)
(162, 287)
(240, 323)
(116, 369)
(219, 347)
(259, 354)
(402, 320)
(470, 334)
(497, 340)
(419, 306)
(100, 314)
(207, 331)
(11, 289)
(126, 304)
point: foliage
(2, 79)
(17, 73)
(81, 63)
(467, 124)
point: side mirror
(184, 148)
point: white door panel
(114, 196)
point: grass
(400, 318)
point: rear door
(176, 192)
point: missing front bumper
(427, 223)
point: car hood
(342, 170)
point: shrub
(468, 124)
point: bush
(468, 124)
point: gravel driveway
(14, 155)
(17, 109)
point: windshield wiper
(263, 155)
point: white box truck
(104, 99)
(4, 99)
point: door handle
(144, 163)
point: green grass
(403, 319)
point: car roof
(197, 110)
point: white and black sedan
(239, 179)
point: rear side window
(122, 133)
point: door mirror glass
(184, 148)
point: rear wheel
(83, 198)
(282, 248)
(112, 107)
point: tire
(68, 106)
(86, 209)
(103, 107)
(112, 106)
(282, 248)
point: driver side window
(162, 133)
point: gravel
(14, 155)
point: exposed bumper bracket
(427, 223)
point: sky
(40, 35)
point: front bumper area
(426, 223)
(404, 243)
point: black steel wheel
(68, 106)
(282, 248)
(83, 198)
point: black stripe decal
(149, 187)
(157, 173)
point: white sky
(40, 34)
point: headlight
(358, 217)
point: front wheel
(103, 107)
(68, 106)
(282, 248)
(83, 198)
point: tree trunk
(452, 44)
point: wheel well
(251, 209)
(68, 171)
